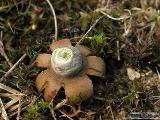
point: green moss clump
(100, 39)
(33, 112)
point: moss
(34, 112)
(86, 19)
(100, 39)
(133, 96)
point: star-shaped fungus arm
(78, 89)
(53, 85)
(41, 81)
(95, 66)
(43, 60)
(60, 43)
(85, 51)
(49, 81)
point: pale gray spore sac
(67, 61)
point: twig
(11, 27)
(100, 117)
(127, 29)
(64, 114)
(110, 110)
(60, 104)
(3, 112)
(55, 19)
(84, 36)
(6, 57)
(118, 52)
(4, 7)
(13, 67)
(19, 109)
(52, 110)
(9, 95)
(108, 2)
(15, 112)
(3, 52)
(24, 106)
(158, 74)
(112, 113)
(10, 90)
(113, 18)
(12, 102)
(15, 107)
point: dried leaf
(78, 89)
(95, 66)
(60, 43)
(84, 50)
(43, 60)
(132, 74)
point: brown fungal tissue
(68, 67)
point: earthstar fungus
(68, 67)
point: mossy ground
(132, 42)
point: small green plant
(100, 38)
(33, 112)
(86, 19)
(133, 96)
(42, 104)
